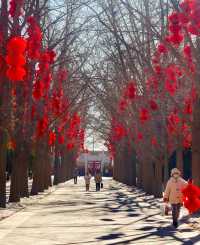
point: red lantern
(35, 39)
(130, 91)
(70, 146)
(188, 107)
(61, 139)
(153, 105)
(16, 59)
(170, 87)
(162, 48)
(154, 141)
(16, 7)
(140, 136)
(144, 115)
(187, 141)
(123, 105)
(193, 29)
(52, 138)
(38, 90)
(42, 126)
(187, 52)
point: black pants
(75, 180)
(176, 212)
(97, 186)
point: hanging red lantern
(61, 139)
(140, 136)
(188, 107)
(187, 141)
(52, 138)
(34, 41)
(170, 87)
(123, 105)
(42, 126)
(70, 146)
(161, 48)
(154, 141)
(38, 90)
(153, 105)
(16, 7)
(16, 59)
(144, 115)
(130, 91)
(187, 52)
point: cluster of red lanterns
(26, 60)
(167, 79)
(16, 59)
(34, 41)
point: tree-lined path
(116, 215)
(114, 76)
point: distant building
(95, 161)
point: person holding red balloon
(173, 194)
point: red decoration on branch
(34, 40)
(38, 90)
(188, 107)
(175, 28)
(144, 115)
(123, 104)
(16, 58)
(154, 141)
(52, 138)
(16, 7)
(173, 122)
(162, 49)
(42, 126)
(153, 105)
(187, 52)
(130, 91)
(70, 146)
(61, 139)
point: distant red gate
(94, 166)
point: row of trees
(128, 69)
(44, 93)
(147, 85)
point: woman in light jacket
(87, 181)
(173, 194)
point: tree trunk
(148, 177)
(15, 177)
(140, 177)
(24, 190)
(38, 171)
(158, 179)
(179, 156)
(3, 148)
(196, 143)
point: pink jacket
(174, 189)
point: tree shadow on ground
(162, 232)
(132, 204)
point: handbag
(165, 209)
(101, 185)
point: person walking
(75, 175)
(98, 180)
(87, 180)
(173, 194)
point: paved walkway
(116, 215)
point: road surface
(116, 215)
